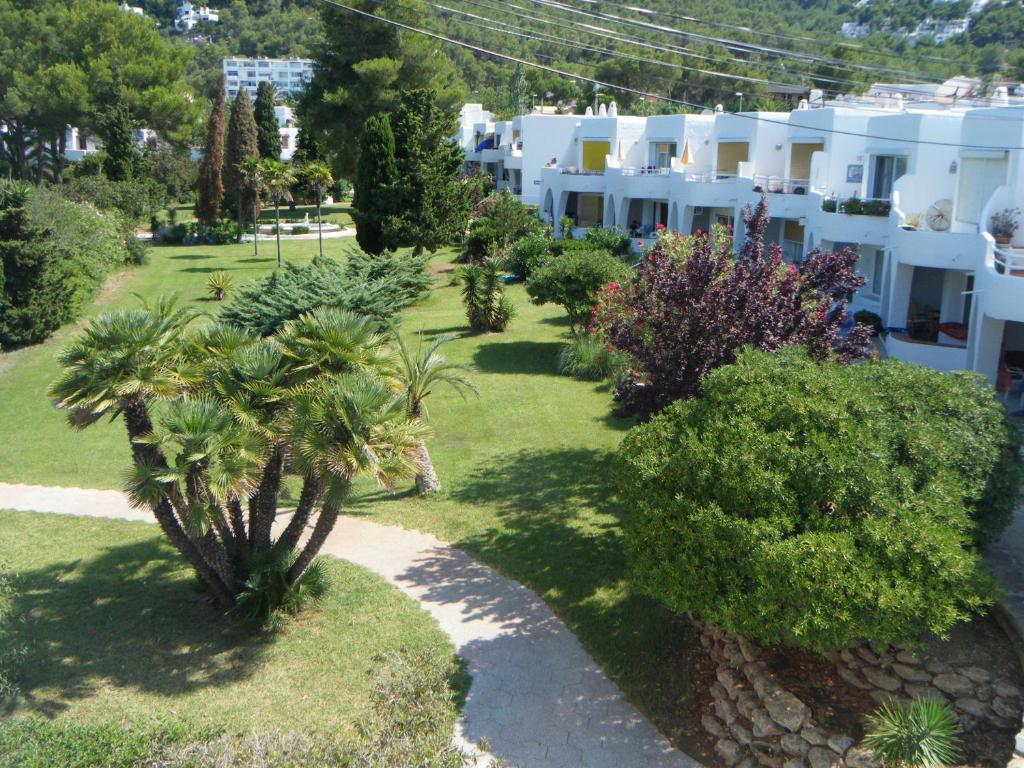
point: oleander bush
(817, 504)
(54, 254)
(377, 286)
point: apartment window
(285, 139)
(731, 154)
(251, 73)
(978, 179)
(661, 153)
(877, 273)
(885, 170)
(264, 64)
(594, 153)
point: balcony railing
(1009, 261)
(573, 171)
(646, 170)
(856, 206)
(776, 185)
(709, 177)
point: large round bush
(818, 504)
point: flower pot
(1003, 239)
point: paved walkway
(537, 697)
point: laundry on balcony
(487, 143)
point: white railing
(573, 171)
(776, 185)
(645, 170)
(709, 177)
(1009, 261)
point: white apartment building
(287, 75)
(288, 127)
(913, 189)
(188, 16)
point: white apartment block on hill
(925, 182)
(188, 16)
(287, 75)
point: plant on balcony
(1003, 225)
(912, 221)
(875, 207)
(851, 206)
(799, 190)
(828, 205)
(787, 467)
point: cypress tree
(211, 183)
(266, 122)
(242, 142)
(375, 176)
(115, 129)
(307, 148)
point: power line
(645, 94)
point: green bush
(378, 286)
(613, 239)
(820, 504)
(851, 206)
(488, 309)
(527, 254)
(922, 733)
(300, 229)
(224, 232)
(499, 222)
(10, 652)
(870, 319)
(588, 357)
(136, 199)
(573, 279)
(54, 254)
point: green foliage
(586, 356)
(870, 319)
(218, 285)
(221, 232)
(37, 743)
(121, 157)
(210, 183)
(378, 286)
(528, 254)
(267, 598)
(170, 167)
(785, 469)
(136, 199)
(268, 133)
(615, 240)
(499, 222)
(10, 651)
(573, 279)
(54, 254)
(242, 141)
(567, 224)
(488, 309)
(375, 174)
(923, 733)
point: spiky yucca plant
(218, 284)
(922, 733)
(487, 306)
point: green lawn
(115, 632)
(525, 467)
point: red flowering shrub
(692, 305)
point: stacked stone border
(757, 722)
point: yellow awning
(687, 157)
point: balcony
(710, 177)
(646, 170)
(574, 171)
(927, 248)
(787, 198)
(775, 185)
(942, 357)
(827, 217)
(1009, 261)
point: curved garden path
(537, 696)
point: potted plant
(912, 221)
(829, 204)
(850, 206)
(1003, 225)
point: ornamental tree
(375, 173)
(806, 502)
(242, 141)
(211, 182)
(692, 305)
(573, 279)
(268, 132)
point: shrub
(851, 206)
(612, 239)
(488, 309)
(818, 504)
(378, 286)
(499, 221)
(567, 225)
(267, 598)
(342, 189)
(922, 733)
(223, 232)
(218, 285)
(53, 256)
(300, 229)
(527, 254)
(870, 319)
(875, 208)
(172, 234)
(10, 652)
(573, 279)
(37, 743)
(829, 204)
(136, 199)
(588, 357)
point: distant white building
(78, 143)
(288, 127)
(132, 9)
(287, 75)
(852, 30)
(188, 16)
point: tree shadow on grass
(255, 260)
(519, 357)
(131, 618)
(190, 256)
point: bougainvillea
(693, 304)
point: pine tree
(242, 142)
(211, 182)
(518, 91)
(307, 148)
(375, 175)
(430, 203)
(115, 129)
(266, 122)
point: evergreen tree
(375, 175)
(430, 204)
(242, 141)
(518, 91)
(307, 148)
(266, 122)
(118, 139)
(211, 182)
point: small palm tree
(920, 734)
(251, 172)
(318, 176)
(279, 179)
(218, 284)
(420, 369)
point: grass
(116, 632)
(524, 466)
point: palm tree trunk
(255, 226)
(312, 489)
(426, 479)
(263, 506)
(277, 217)
(237, 519)
(324, 525)
(319, 225)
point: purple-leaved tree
(693, 304)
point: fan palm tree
(420, 368)
(251, 173)
(279, 178)
(318, 176)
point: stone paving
(537, 696)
